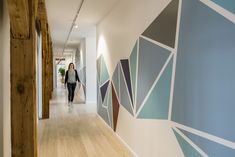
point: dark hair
(71, 64)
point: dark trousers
(71, 89)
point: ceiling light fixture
(73, 25)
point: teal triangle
(226, 4)
(104, 71)
(187, 149)
(157, 105)
(110, 106)
(133, 66)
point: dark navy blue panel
(227, 4)
(163, 28)
(126, 70)
(209, 147)
(103, 90)
(204, 93)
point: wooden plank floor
(76, 132)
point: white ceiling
(61, 14)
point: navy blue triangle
(126, 70)
(103, 90)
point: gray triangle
(124, 97)
(163, 28)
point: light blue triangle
(187, 149)
(211, 148)
(110, 106)
(124, 98)
(133, 66)
(104, 71)
(226, 4)
(115, 79)
(157, 105)
(102, 111)
(151, 59)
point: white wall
(5, 142)
(119, 30)
(117, 34)
(91, 70)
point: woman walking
(71, 79)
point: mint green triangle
(187, 149)
(157, 105)
(104, 71)
(110, 106)
(133, 66)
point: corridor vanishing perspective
(154, 78)
(76, 131)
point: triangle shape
(204, 82)
(104, 71)
(115, 108)
(110, 106)
(98, 62)
(151, 60)
(163, 28)
(103, 90)
(124, 98)
(187, 149)
(211, 148)
(115, 79)
(126, 71)
(157, 105)
(99, 99)
(226, 4)
(105, 103)
(102, 111)
(133, 68)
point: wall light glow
(102, 46)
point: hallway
(76, 132)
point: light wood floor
(76, 132)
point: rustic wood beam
(19, 18)
(23, 84)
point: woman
(71, 78)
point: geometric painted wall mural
(187, 149)
(115, 108)
(126, 72)
(157, 104)
(125, 99)
(133, 68)
(151, 60)
(204, 82)
(227, 4)
(163, 30)
(183, 75)
(209, 147)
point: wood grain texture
(19, 18)
(77, 132)
(23, 88)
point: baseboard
(128, 147)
